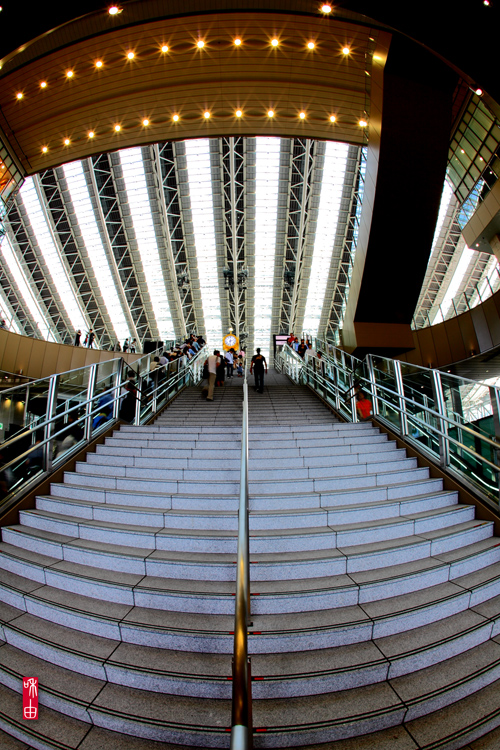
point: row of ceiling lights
(363, 123)
(200, 44)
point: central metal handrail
(241, 718)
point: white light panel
(328, 214)
(202, 211)
(55, 266)
(267, 162)
(140, 208)
(82, 204)
(17, 273)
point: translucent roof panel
(50, 254)
(140, 208)
(30, 301)
(328, 214)
(202, 211)
(267, 163)
(80, 197)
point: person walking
(259, 366)
(78, 336)
(213, 362)
(90, 339)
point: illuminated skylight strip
(328, 214)
(7, 315)
(446, 197)
(55, 266)
(267, 163)
(202, 211)
(17, 274)
(82, 204)
(140, 208)
(454, 285)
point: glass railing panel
(387, 392)
(473, 459)
(105, 394)
(421, 407)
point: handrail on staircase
(241, 718)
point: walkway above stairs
(375, 594)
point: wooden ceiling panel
(186, 81)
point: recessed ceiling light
(362, 123)
(67, 141)
(118, 128)
(333, 118)
(130, 55)
(164, 48)
(462, 151)
(44, 150)
(478, 92)
(43, 84)
(69, 74)
(270, 113)
(19, 95)
(145, 122)
(200, 43)
(91, 134)
(239, 113)
(175, 118)
(98, 64)
(206, 115)
(326, 8)
(302, 115)
(310, 45)
(113, 10)
(377, 57)
(346, 50)
(237, 42)
(274, 42)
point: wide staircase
(374, 593)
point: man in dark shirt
(259, 366)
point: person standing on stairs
(213, 362)
(259, 366)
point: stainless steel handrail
(241, 717)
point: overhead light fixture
(114, 10)
(175, 118)
(362, 123)
(478, 91)
(326, 8)
(239, 113)
(346, 50)
(270, 113)
(333, 118)
(237, 42)
(19, 95)
(43, 84)
(200, 43)
(130, 55)
(164, 48)
(98, 64)
(91, 134)
(145, 122)
(302, 115)
(70, 74)
(44, 149)
(310, 45)
(118, 128)
(274, 42)
(206, 115)
(67, 141)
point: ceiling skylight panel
(6, 314)
(46, 243)
(82, 204)
(454, 285)
(202, 211)
(328, 214)
(446, 197)
(31, 303)
(267, 163)
(140, 208)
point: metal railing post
(444, 445)
(138, 400)
(87, 428)
(495, 406)
(241, 715)
(117, 388)
(398, 376)
(49, 419)
(373, 384)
